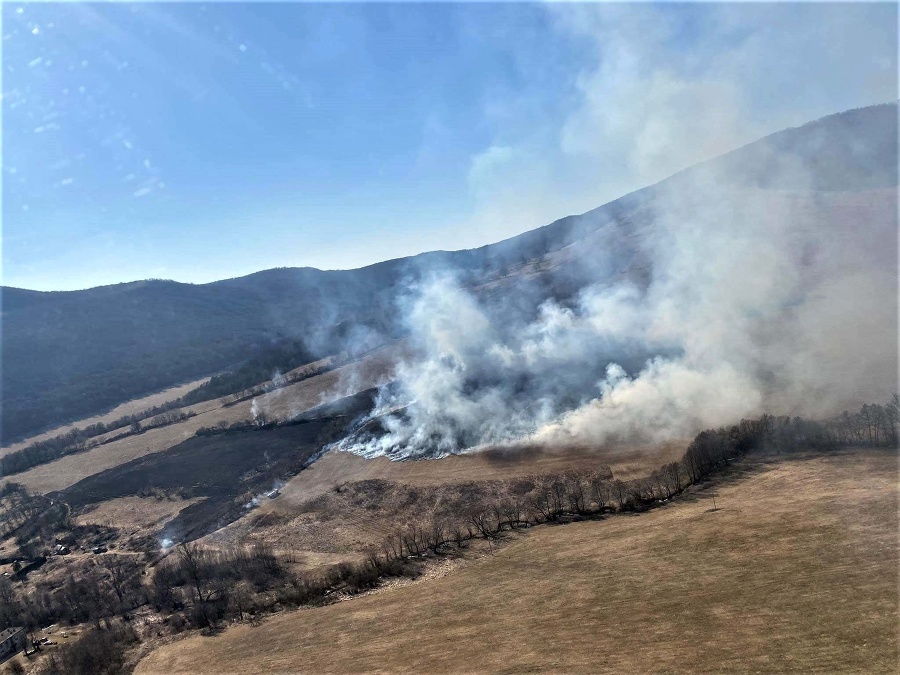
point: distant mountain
(67, 355)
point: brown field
(279, 404)
(340, 467)
(134, 515)
(796, 571)
(128, 408)
(317, 524)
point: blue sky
(205, 141)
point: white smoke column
(277, 381)
(782, 300)
(769, 303)
(755, 302)
(483, 379)
(458, 342)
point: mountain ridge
(72, 353)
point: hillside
(500, 537)
(795, 570)
(343, 504)
(282, 403)
(69, 355)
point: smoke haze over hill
(764, 278)
(755, 300)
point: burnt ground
(227, 468)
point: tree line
(79, 440)
(873, 425)
(237, 385)
(198, 588)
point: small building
(12, 641)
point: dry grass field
(340, 467)
(134, 515)
(128, 408)
(278, 404)
(343, 504)
(796, 571)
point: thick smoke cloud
(662, 87)
(764, 282)
(753, 300)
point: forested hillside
(67, 355)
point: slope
(68, 355)
(795, 571)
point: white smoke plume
(753, 300)
(764, 281)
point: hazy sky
(203, 141)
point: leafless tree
(575, 492)
(240, 599)
(558, 495)
(481, 518)
(620, 492)
(541, 499)
(191, 557)
(600, 489)
(513, 509)
(123, 575)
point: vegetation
(101, 651)
(196, 588)
(79, 440)
(267, 365)
(241, 383)
(795, 571)
(67, 356)
(249, 460)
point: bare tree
(892, 417)
(123, 571)
(575, 492)
(192, 559)
(240, 599)
(480, 518)
(541, 499)
(599, 489)
(620, 492)
(558, 495)
(513, 509)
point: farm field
(795, 571)
(128, 408)
(343, 503)
(279, 404)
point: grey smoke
(738, 299)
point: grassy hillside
(132, 407)
(227, 467)
(75, 354)
(795, 571)
(344, 504)
(280, 404)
